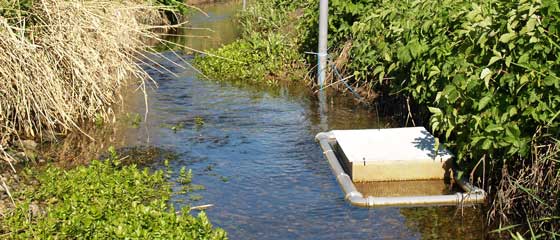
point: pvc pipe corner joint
(471, 196)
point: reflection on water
(210, 29)
(445, 222)
(254, 151)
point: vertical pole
(323, 31)
(322, 62)
(244, 4)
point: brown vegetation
(527, 195)
(63, 63)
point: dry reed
(527, 197)
(65, 61)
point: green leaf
(493, 60)
(378, 69)
(404, 55)
(513, 131)
(435, 111)
(524, 59)
(434, 70)
(550, 80)
(508, 61)
(485, 72)
(485, 75)
(484, 101)
(531, 24)
(448, 132)
(493, 128)
(524, 79)
(487, 144)
(475, 140)
(505, 38)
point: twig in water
(202, 207)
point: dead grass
(527, 198)
(65, 62)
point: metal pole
(323, 32)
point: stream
(253, 150)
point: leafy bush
(488, 70)
(342, 15)
(102, 201)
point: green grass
(101, 201)
(267, 51)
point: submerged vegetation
(487, 72)
(105, 200)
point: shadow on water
(253, 149)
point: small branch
(8, 191)
(202, 207)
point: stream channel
(254, 151)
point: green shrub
(102, 201)
(342, 15)
(487, 70)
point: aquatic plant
(266, 52)
(104, 200)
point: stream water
(253, 149)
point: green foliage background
(487, 69)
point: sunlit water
(254, 151)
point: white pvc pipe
(473, 194)
(323, 33)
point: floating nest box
(397, 161)
(393, 154)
